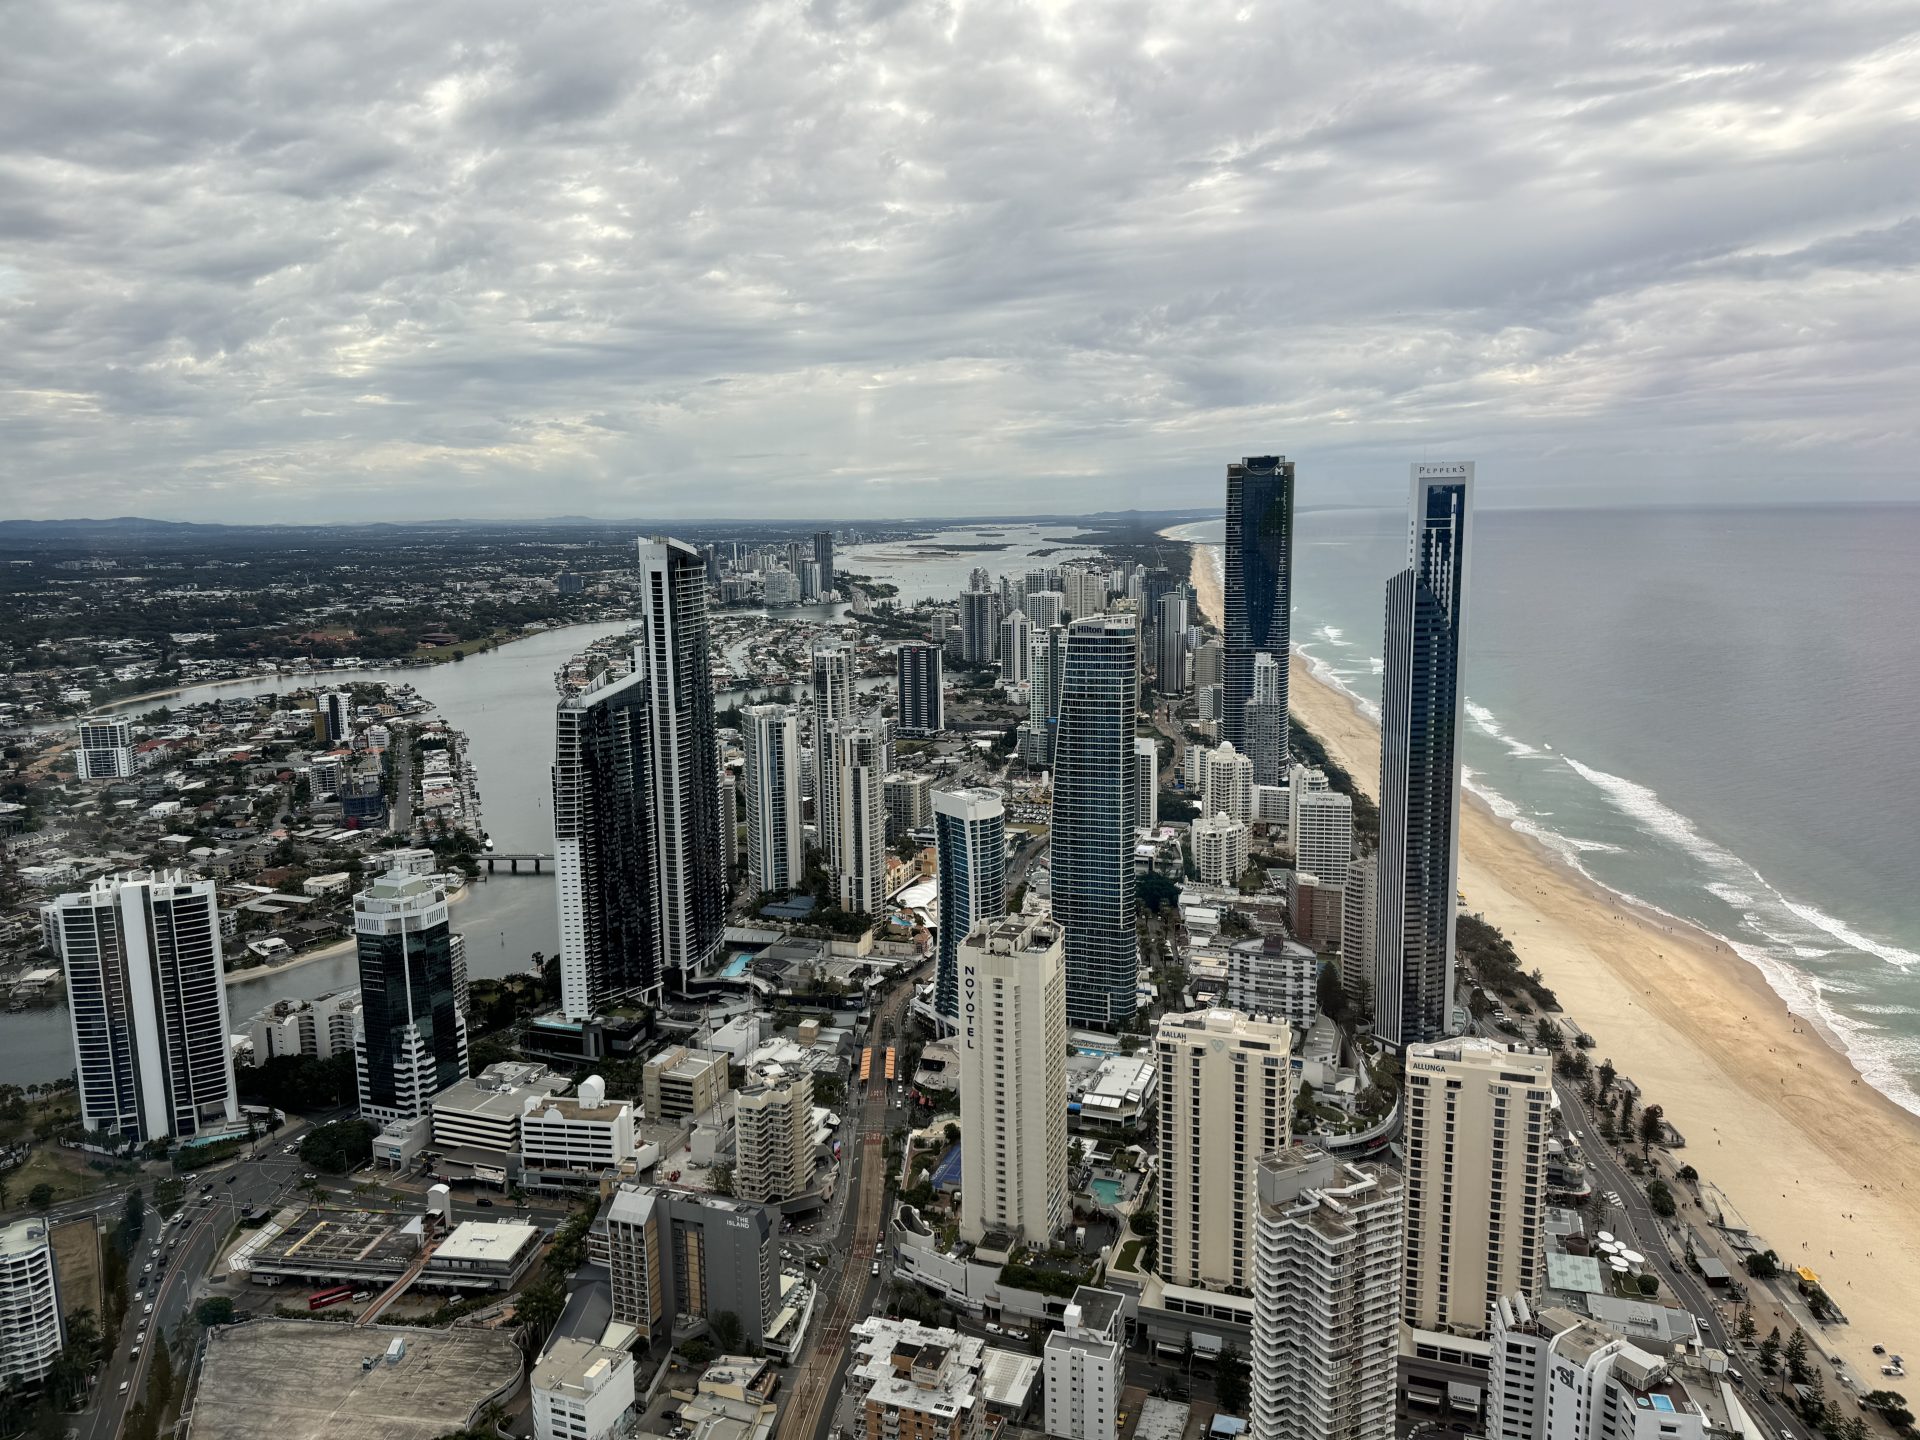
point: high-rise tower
(1479, 1114)
(1013, 1080)
(920, 674)
(1047, 678)
(776, 841)
(1093, 819)
(413, 1040)
(1267, 723)
(603, 847)
(832, 703)
(1170, 649)
(823, 557)
(1421, 699)
(858, 779)
(1259, 584)
(684, 767)
(1325, 1341)
(147, 1003)
(970, 842)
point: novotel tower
(1421, 698)
(1013, 1080)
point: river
(503, 700)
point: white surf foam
(1847, 935)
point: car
(232, 1178)
(993, 1329)
(309, 1176)
(483, 1202)
(149, 1309)
(876, 1267)
(139, 1339)
(147, 1269)
(123, 1386)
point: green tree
(1763, 1266)
(1770, 1351)
(1795, 1355)
(1607, 1076)
(1744, 1330)
(40, 1196)
(214, 1310)
(339, 1147)
(1652, 1127)
(727, 1332)
(1660, 1197)
(540, 1305)
(1230, 1380)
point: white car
(148, 1310)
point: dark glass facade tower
(1259, 585)
(603, 848)
(970, 845)
(1420, 715)
(683, 761)
(413, 1041)
(1094, 811)
(919, 675)
(823, 557)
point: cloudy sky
(371, 260)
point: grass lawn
(76, 1258)
(65, 1170)
(63, 1105)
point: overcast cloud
(371, 260)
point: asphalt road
(1636, 1223)
(849, 1296)
(178, 1278)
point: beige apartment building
(1226, 1099)
(681, 1082)
(1013, 1079)
(1478, 1117)
(773, 1135)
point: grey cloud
(375, 259)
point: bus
(321, 1299)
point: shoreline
(1821, 1165)
(325, 952)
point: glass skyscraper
(970, 844)
(1094, 811)
(1259, 586)
(603, 848)
(1420, 716)
(683, 764)
(413, 1041)
(147, 1002)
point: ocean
(1712, 712)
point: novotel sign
(969, 998)
(1456, 470)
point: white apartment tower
(1555, 1375)
(1016, 646)
(773, 1136)
(1323, 839)
(105, 751)
(1013, 1080)
(147, 1003)
(1083, 1367)
(1226, 783)
(776, 838)
(858, 779)
(1219, 850)
(1478, 1116)
(1146, 782)
(1326, 1299)
(31, 1328)
(1226, 1099)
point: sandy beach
(1816, 1161)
